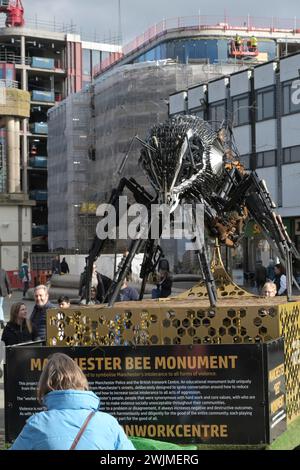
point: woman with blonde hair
(19, 328)
(71, 420)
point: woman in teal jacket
(63, 390)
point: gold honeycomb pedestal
(186, 322)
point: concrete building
(47, 63)
(263, 105)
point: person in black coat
(39, 312)
(164, 286)
(19, 329)
(64, 267)
(100, 282)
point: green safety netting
(142, 443)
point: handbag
(81, 430)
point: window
(197, 112)
(245, 160)
(240, 105)
(217, 113)
(265, 159)
(291, 97)
(265, 104)
(291, 154)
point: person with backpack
(24, 275)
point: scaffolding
(91, 132)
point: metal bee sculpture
(187, 161)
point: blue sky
(137, 15)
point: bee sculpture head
(180, 154)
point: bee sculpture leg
(204, 262)
(142, 197)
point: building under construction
(91, 132)
(41, 63)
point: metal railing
(248, 24)
(67, 28)
(5, 83)
(12, 58)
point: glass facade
(240, 109)
(265, 104)
(212, 50)
(265, 159)
(291, 154)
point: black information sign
(203, 393)
(274, 358)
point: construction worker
(238, 42)
(253, 43)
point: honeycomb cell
(166, 323)
(257, 321)
(263, 312)
(177, 340)
(236, 322)
(258, 339)
(144, 314)
(154, 339)
(232, 331)
(191, 331)
(243, 313)
(181, 332)
(212, 331)
(272, 312)
(207, 340)
(231, 313)
(191, 314)
(167, 340)
(217, 340)
(186, 323)
(263, 330)
(211, 313)
(153, 319)
(201, 314)
(176, 323)
(248, 339)
(206, 322)
(237, 339)
(196, 322)
(226, 322)
(196, 340)
(171, 314)
(222, 331)
(243, 331)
